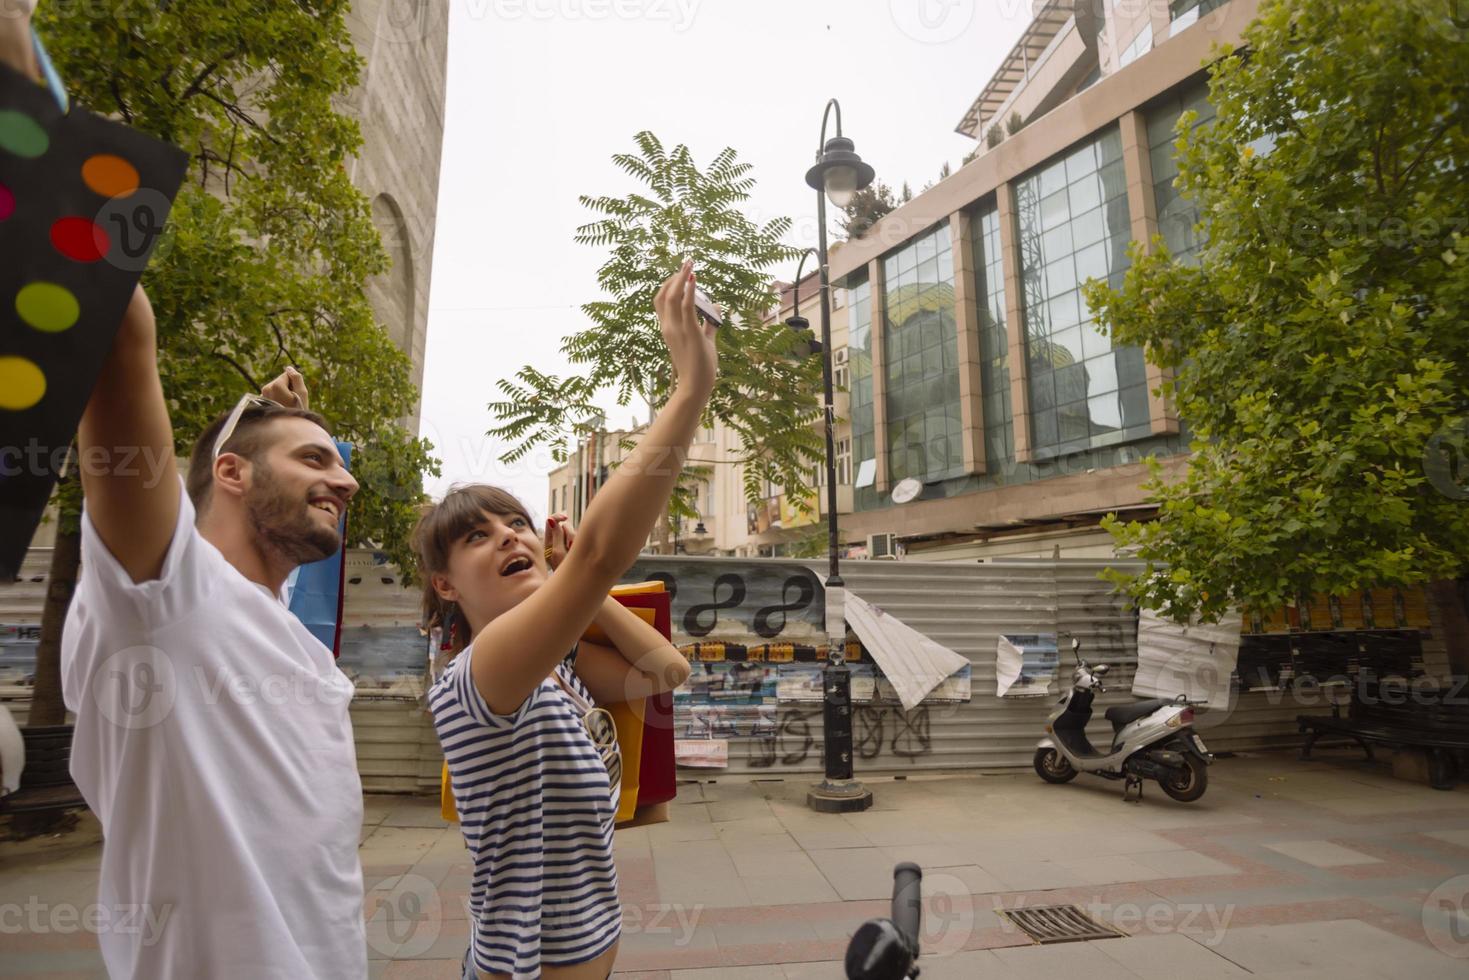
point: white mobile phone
(706, 308)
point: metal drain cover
(1059, 924)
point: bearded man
(212, 735)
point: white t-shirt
(213, 744)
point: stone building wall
(400, 106)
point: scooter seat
(1122, 714)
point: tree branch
(1437, 135)
(254, 385)
(196, 86)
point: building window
(1184, 13)
(839, 378)
(1140, 46)
(844, 462)
(1177, 215)
(1073, 226)
(921, 360)
(994, 340)
(859, 366)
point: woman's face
(493, 567)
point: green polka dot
(21, 384)
(21, 135)
(47, 307)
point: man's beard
(282, 524)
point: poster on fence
(1025, 663)
(701, 753)
(1194, 660)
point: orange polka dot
(110, 176)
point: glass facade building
(994, 342)
(1072, 225)
(859, 361)
(921, 360)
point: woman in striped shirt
(533, 767)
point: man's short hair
(248, 440)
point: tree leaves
(1319, 345)
(269, 244)
(764, 393)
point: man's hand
(16, 50)
(289, 389)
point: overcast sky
(541, 93)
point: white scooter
(1151, 739)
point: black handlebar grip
(908, 901)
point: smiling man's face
(299, 488)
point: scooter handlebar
(908, 901)
(887, 949)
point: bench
(45, 783)
(1400, 716)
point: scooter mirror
(1100, 669)
(1075, 644)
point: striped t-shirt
(537, 812)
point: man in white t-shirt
(212, 736)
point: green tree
(765, 393)
(269, 245)
(1318, 344)
(867, 207)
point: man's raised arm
(129, 474)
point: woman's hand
(690, 343)
(558, 539)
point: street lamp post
(839, 173)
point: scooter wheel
(1052, 766)
(1189, 783)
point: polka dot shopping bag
(83, 204)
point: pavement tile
(1459, 838)
(1061, 960)
(417, 812)
(971, 878)
(1184, 864)
(1111, 868)
(698, 873)
(1324, 947)
(740, 810)
(1168, 957)
(1320, 853)
(1021, 875)
(857, 873)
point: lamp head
(840, 173)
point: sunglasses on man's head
(246, 401)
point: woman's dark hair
(462, 510)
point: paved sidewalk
(1284, 869)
